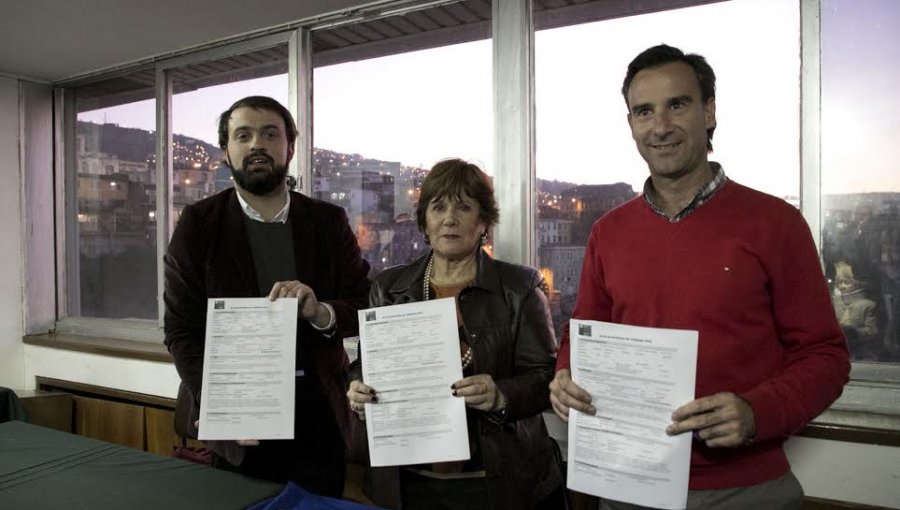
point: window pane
(587, 162)
(381, 123)
(202, 92)
(115, 168)
(860, 184)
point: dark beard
(258, 183)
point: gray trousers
(784, 493)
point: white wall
(11, 228)
(150, 377)
(860, 473)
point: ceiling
(51, 40)
(56, 40)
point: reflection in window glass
(860, 184)
(115, 167)
(380, 124)
(587, 162)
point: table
(42, 468)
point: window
(381, 123)
(114, 271)
(860, 183)
(586, 161)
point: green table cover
(10, 406)
(42, 468)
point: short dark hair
(453, 178)
(258, 103)
(664, 54)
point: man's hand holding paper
(249, 369)
(720, 420)
(634, 377)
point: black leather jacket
(507, 322)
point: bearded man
(260, 239)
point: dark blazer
(209, 256)
(507, 322)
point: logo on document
(370, 316)
(219, 304)
(584, 330)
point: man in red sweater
(700, 252)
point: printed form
(248, 369)
(636, 377)
(410, 355)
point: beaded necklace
(426, 292)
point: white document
(248, 369)
(410, 355)
(636, 377)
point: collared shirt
(253, 214)
(282, 217)
(703, 194)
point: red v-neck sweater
(743, 270)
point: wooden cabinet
(115, 422)
(140, 421)
(161, 436)
(52, 409)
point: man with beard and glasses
(260, 239)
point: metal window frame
(164, 225)
(68, 265)
(514, 136)
(300, 74)
(811, 117)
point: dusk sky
(861, 107)
(422, 106)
